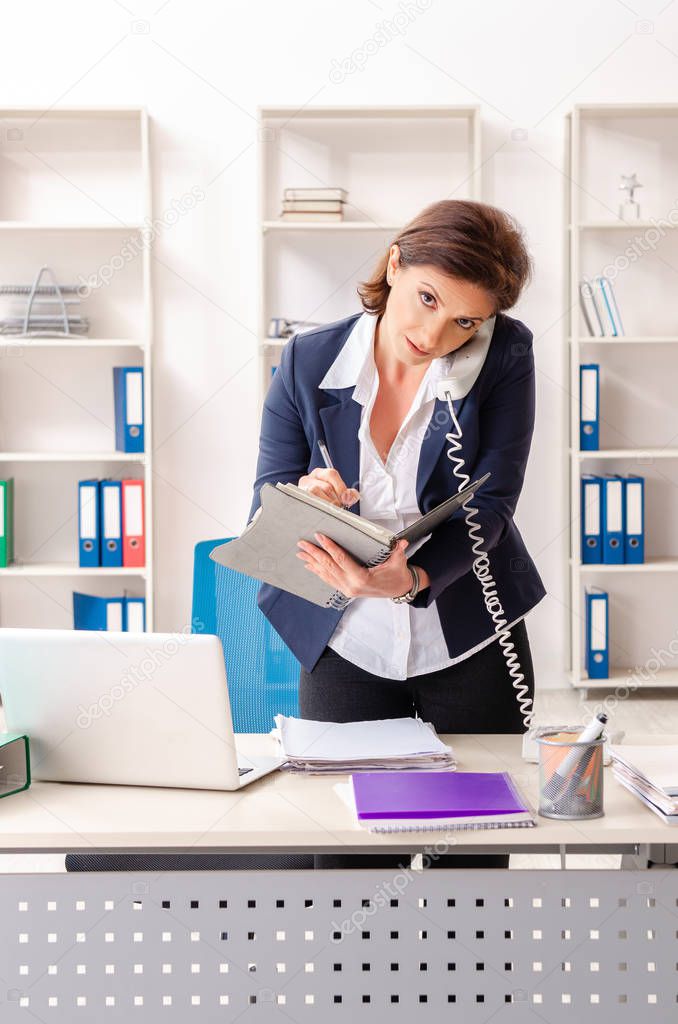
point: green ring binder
(15, 763)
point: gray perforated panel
(306, 946)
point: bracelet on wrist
(409, 597)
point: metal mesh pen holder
(570, 776)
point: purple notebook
(434, 794)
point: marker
(561, 777)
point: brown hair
(472, 241)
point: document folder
(613, 520)
(88, 524)
(589, 395)
(591, 519)
(6, 522)
(98, 613)
(111, 523)
(135, 614)
(128, 388)
(634, 536)
(133, 536)
(597, 633)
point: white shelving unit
(639, 415)
(393, 161)
(75, 194)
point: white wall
(201, 69)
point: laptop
(133, 709)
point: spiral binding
(481, 569)
(466, 826)
(339, 600)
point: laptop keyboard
(244, 771)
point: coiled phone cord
(481, 569)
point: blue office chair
(262, 672)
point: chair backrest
(262, 672)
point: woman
(416, 637)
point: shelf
(638, 225)
(16, 341)
(59, 112)
(630, 453)
(663, 564)
(627, 340)
(35, 225)
(365, 113)
(665, 677)
(72, 456)
(340, 225)
(626, 109)
(68, 569)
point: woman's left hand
(336, 567)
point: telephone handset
(467, 362)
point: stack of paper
(651, 773)
(390, 743)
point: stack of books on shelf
(599, 308)
(651, 774)
(313, 204)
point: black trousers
(474, 696)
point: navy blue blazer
(497, 421)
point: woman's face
(429, 313)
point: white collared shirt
(393, 641)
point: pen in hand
(328, 461)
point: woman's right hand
(327, 484)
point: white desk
(296, 812)
(203, 946)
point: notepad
(425, 801)
(267, 550)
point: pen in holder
(570, 775)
